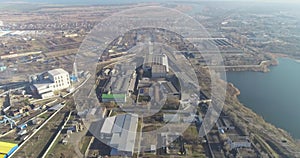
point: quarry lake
(274, 95)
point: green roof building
(113, 98)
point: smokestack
(75, 71)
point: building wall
(165, 62)
(158, 75)
(47, 95)
(61, 81)
(44, 89)
(116, 152)
(57, 80)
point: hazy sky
(134, 1)
(285, 3)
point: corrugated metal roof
(113, 96)
(171, 118)
(115, 140)
(123, 132)
(128, 135)
(133, 125)
(170, 88)
(127, 122)
(108, 125)
(57, 72)
(159, 69)
(117, 128)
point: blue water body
(274, 95)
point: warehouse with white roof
(119, 132)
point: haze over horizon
(136, 1)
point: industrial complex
(148, 92)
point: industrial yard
(147, 101)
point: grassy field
(45, 116)
(61, 150)
(10, 138)
(84, 143)
(195, 151)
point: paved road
(241, 66)
(139, 110)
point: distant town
(143, 104)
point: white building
(119, 132)
(53, 80)
(60, 79)
(157, 64)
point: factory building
(54, 80)
(119, 132)
(121, 83)
(60, 79)
(171, 118)
(155, 59)
(236, 141)
(158, 71)
(165, 140)
(157, 64)
(119, 98)
(170, 90)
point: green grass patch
(85, 143)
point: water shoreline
(268, 116)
